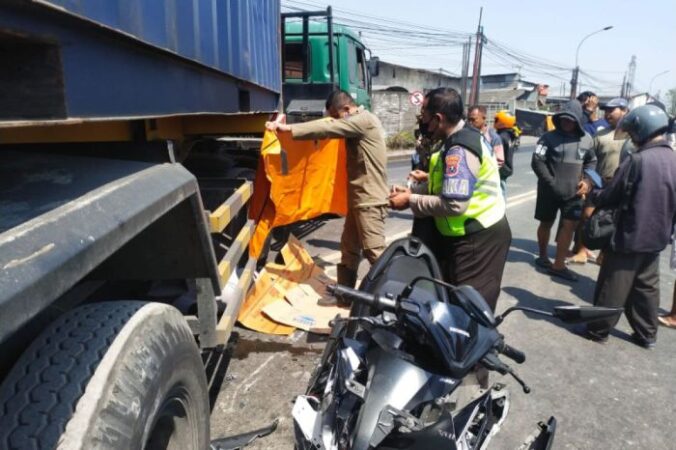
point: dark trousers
(478, 259)
(631, 280)
(425, 229)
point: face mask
(425, 129)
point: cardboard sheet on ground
(297, 286)
(295, 181)
(300, 308)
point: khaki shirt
(607, 146)
(366, 154)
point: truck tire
(115, 375)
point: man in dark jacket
(591, 123)
(629, 274)
(559, 159)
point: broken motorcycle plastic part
(242, 440)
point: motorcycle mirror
(579, 314)
(474, 304)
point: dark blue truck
(126, 136)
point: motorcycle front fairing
(395, 386)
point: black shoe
(333, 301)
(647, 344)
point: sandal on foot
(543, 263)
(564, 273)
(577, 259)
(665, 322)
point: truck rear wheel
(115, 375)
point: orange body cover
(296, 180)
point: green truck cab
(312, 68)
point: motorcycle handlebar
(516, 355)
(354, 295)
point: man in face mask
(462, 193)
(364, 229)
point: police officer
(629, 274)
(364, 229)
(463, 195)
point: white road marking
(513, 201)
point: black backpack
(600, 228)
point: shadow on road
(299, 229)
(216, 362)
(331, 245)
(246, 346)
(526, 250)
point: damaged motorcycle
(401, 372)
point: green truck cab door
(358, 79)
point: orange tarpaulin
(296, 180)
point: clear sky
(550, 31)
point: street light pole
(650, 88)
(576, 70)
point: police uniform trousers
(478, 259)
(632, 281)
(363, 234)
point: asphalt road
(604, 396)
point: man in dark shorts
(560, 157)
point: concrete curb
(399, 155)
(402, 155)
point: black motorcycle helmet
(644, 123)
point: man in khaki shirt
(364, 229)
(607, 146)
(608, 142)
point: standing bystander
(504, 124)
(607, 146)
(591, 123)
(476, 117)
(558, 161)
(629, 274)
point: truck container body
(129, 135)
(139, 58)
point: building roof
(500, 95)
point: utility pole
(573, 82)
(631, 76)
(476, 74)
(466, 48)
(624, 85)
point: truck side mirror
(374, 66)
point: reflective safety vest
(487, 204)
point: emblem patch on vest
(453, 164)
